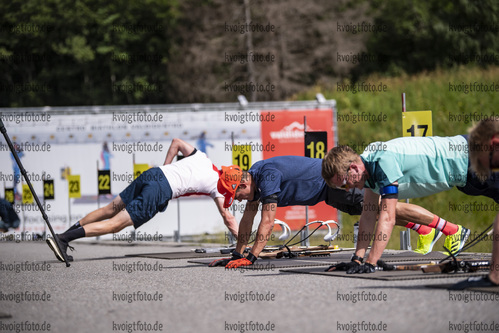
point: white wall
(82, 151)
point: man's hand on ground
(220, 262)
(223, 262)
(360, 269)
(239, 263)
(343, 266)
(248, 261)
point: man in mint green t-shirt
(402, 168)
(421, 165)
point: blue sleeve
(268, 181)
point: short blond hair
(479, 146)
(337, 162)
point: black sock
(70, 235)
(74, 226)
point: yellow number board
(74, 188)
(241, 156)
(27, 196)
(417, 123)
(138, 169)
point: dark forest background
(60, 52)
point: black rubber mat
(381, 275)
(482, 289)
(271, 264)
(199, 258)
(336, 257)
(178, 255)
(323, 260)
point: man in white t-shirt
(149, 194)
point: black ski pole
(23, 172)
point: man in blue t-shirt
(409, 167)
(287, 181)
(278, 182)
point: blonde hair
(479, 146)
(337, 162)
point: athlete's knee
(114, 207)
(402, 209)
(118, 226)
(108, 209)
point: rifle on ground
(299, 251)
(454, 266)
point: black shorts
(490, 188)
(347, 201)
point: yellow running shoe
(426, 242)
(456, 242)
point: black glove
(223, 262)
(385, 266)
(343, 266)
(360, 269)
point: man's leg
(111, 226)
(116, 223)
(430, 227)
(103, 213)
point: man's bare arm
(176, 146)
(245, 225)
(367, 222)
(384, 229)
(265, 228)
(229, 219)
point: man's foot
(64, 248)
(454, 243)
(426, 242)
(474, 282)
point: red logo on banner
(287, 134)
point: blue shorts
(146, 196)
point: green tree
(60, 52)
(420, 35)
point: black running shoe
(64, 247)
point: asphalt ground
(105, 291)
